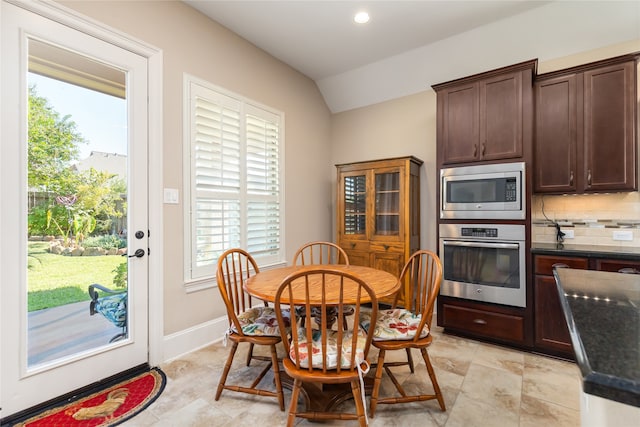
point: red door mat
(107, 407)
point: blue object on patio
(113, 306)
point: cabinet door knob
(475, 149)
(386, 247)
(484, 146)
(353, 245)
(589, 177)
(571, 179)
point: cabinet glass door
(355, 205)
(387, 203)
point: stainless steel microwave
(493, 191)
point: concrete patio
(62, 331)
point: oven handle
(481, 244)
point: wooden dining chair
(325, 355)
(322, 253)
(407, 328)
(248, 323)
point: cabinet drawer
(386, 247)
(485, 323)
(617, 264)
(354, 245)
(543, 264)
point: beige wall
(192, 43)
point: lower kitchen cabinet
(550, 327)
(507, 325)
(551, 334)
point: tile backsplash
(593, 218)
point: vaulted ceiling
(409, 45)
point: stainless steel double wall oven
(484, 261)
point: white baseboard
(194, 338)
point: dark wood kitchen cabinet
(492, 322)
(585, 128)
(616, 265)
(551, 334)
(485, 117)
(378, 213)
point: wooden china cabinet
(378, 213)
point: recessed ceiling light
(361, 17)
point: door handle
(139, 253)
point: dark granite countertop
(587, 251)
(603, 314)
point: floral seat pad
(395, 324)
(114, 308)
(262, 321)
(332, 349)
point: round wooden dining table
(265, 284)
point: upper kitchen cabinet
(586, 128)
(486, 117)
(378, 211)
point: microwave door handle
(482, 245)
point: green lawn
(55, 280)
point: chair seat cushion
(394, 324)
(332, 349)
(113, 308)
(262, 321)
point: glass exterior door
(68, 203)
(77, 210)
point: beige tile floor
(483, 385)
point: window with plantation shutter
(234, 167)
